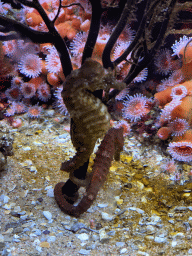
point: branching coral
(110, 147)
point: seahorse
(110, 147)
(90, 116)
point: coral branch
(110, 147)
(24, 31)
(94, 29)
(116, 33)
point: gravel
(139, 211)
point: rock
(173, 243)
(160, 239)
(120, 244)
(4, 199)
(2, 238)
(27, 162)
(102, 205)
(50, 192)
(106, 216)
(47, 215)
(136, 209)
(118, 200)
(103, 237)
(84, 252)
(122, 251)
(178, 235)
(82, 236)
(33, 169)
(63, 136)
(38, 248)
(37, 232)
(49, 113)
(51, 239)
(37, 143)
(26, 148)
(180, 208)
(74, 228)
(142, 253)
(44, 245)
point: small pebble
(122, 251)
(36, 241)
(46, 232)
(78, 225)
(61, 140)
(103, 237)
(1, 238)
(51, 239)
(44, 245)
(102, 205)
(47, 215)
(111, 233)
(4, 199)
(120, 244)
(143, 253)
(38, 248)
(106, 216)
(50, 192)
(82, 237)
(63, 136)
(38, 232)
(49, 113)
(33, 169)
(179, 235)
(160, 239)
(27, 162)
(26, 148)
(84, 252)
(8, 206)
(174, 243)
(37, 143)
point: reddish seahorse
(110, 147)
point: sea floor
(144, 208)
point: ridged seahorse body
(91, 119)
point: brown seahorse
(110, 147)
(91, 119)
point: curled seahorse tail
(111, 144)
(62, 202)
